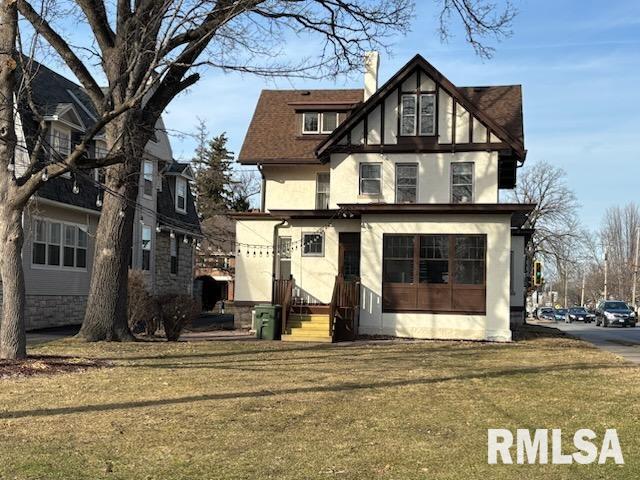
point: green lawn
(259, 410)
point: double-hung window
(181, 195)
(462, 182)
(57, 244)
(329, 122)
(147, 176)
(146, 247)
(428, 114)
(408, 108)
(61, 141)
(313, 244)
(406, 183)
(370, 178)
(173, 251)
(322, 191)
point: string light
(45, 175)
(158, 229)
(121, 213)
(185, 240)
(11, 167)
(75, 188)
(98, 201)
(172, 235)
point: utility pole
(635, 268)
(582, 291)
(566, 283)
(606, 267)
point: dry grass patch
(259, 410)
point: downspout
(263, 190)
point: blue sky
(577, 60)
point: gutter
(263, 190)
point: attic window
(181, 195)
(61, 141)
(315, 123)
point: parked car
(580, 314)
(545, 313)
(559, 314)
(610, 313)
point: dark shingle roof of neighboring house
(273, 132)
(167, 214)
(502, 103)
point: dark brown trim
(426, 208)
(424, 144)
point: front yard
(258, 410)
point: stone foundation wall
(167, 282)
(44, 311)
(241, 315)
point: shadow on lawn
(346, 387)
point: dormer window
(181, 195)
(147, 176)
(314, 123)
(61, 141)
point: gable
(455, 119)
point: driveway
(624, 342)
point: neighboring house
(215, 276)
(397, 187)
(61, 220)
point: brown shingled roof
(503, 104)
(273, 131)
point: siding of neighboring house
(56, 295)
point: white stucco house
(395, 188)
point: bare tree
(151, 51)
(555, 219)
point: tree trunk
(13, 340)
(12, 325)
(106, 313)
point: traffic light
(537, 273)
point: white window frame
(403, 116)
(322, 115)
(146, 248)
(433, 131)
(327, 193)
(284, 253)
(304, 241)
(181, 181)
(311, 132)
(473, 181)
(417, 167)
(360, 179)
(147, 175)
(60, 266)
(55, 145)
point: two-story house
(61, 220)
(396, 186)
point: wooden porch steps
(308, 327)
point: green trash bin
(268, 321)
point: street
(624, 342)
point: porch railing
(344, 309)
(282, 294)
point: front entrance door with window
(349, 251)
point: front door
(349, 262)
